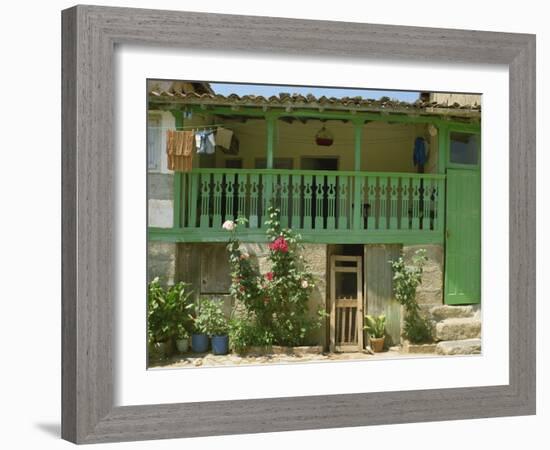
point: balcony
(324, 206)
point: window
(278, 163)
(464, 149)
(154, 142)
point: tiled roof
(292, 101)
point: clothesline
(189, 127)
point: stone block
(160, 213)
(161, 261)
(409, 347)
(457, 329)
(442, 312)
(461, 347)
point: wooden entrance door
(463, 237)
(346, 304)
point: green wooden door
(463, 237)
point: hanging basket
(324, 137)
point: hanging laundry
(205, 142)
(233, 147)
(223, 138)
(179, 149)
(420, 153)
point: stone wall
(161, 261)
(316, 257)
(430, 292)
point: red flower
(269, 276)
(279, 245)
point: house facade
(361, 180)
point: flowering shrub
(405, 281)
(275, 302)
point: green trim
(178, 115)
(432, 176)
(357, 134)
(313, 236)
(334, 115)
(270, 141)
(442, 147)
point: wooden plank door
(346, 312)
(379, 288)
(463, 237)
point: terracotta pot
(377, 344)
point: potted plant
(182, 340)
(376, 328)
(217, 326)
(199, 338)
(164, 315)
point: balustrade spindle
(308, 194)
(415, 204)
(373, 208)
(254, 215)
(319, 201)
(331, 202)
(343, 190)
(405, 196)
(393, 191)
(296, 189)
(217, 200)
(205, 201)
(383, 201)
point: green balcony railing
(312, 201)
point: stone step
(456, 329)
(462, 347)
(442, 312)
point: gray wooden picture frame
(90, 34)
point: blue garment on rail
(420, 155)
(205, 142)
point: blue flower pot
(199, 343)
(220, 345)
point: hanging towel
(420, 155)
(223, 138)
(233, 148)
(179, 149)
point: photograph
(302, 224)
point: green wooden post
(268, 179)
(357, 191)
(178, 115)
(442, 147)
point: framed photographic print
(303, 232)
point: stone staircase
(457, 329)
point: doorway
(319, 187)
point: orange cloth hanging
(179, 149)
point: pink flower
(244, 256)
(305, 284)
(279, 245)
(269, 276)
(228, 225)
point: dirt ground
(191, 360)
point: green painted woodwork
(317, 202)
(357, 135)
(178, 182)
(308, 236)
(271, 123)
(442, 146)
(248, 111)
(463, 237)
